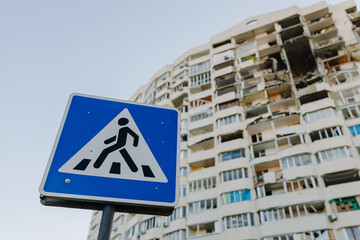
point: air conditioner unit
(143, 231)
(332, 217)
(166, 224)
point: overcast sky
(49, 49)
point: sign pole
(106, 222)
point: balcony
(223, 71)
(344, 76)
(225, 80)
(290, 198)
(199, 139)
(294, 225)
(335, 166)
(179, 96)
(226, 94)
(201, 155)
(321, 24)
(333, 44)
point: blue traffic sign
(113, 151)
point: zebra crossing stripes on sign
(124, 155)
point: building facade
(270, 131)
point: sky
(50, 49)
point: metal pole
(106, 222)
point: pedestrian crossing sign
(117, 152)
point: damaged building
(270, 131)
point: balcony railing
(344, 76)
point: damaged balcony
(225, 80)
(274, 80)
(335, 62)
(267, 172)
(328, 47)
(202, 164)
(263, 148)
(268, 45)
(255, 104)
(324, 22)
(226, 94)
(301, 60)
(253, 85)
(292, 211)
(343, 76)
(281, 98)
(256, 67)
(281, 187)
(341, 177)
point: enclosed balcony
(223, 57)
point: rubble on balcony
(313, 97)
(334, 63)
(347, 73)
(328, 47)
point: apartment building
(270, 131)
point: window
(202, 184)
(236, 196)
(351, 233)
(181, 65)
(177, 235)
(232, 155)
(183, 172)
(229, 104)
(163, 97)
(151, 98)
(179, 212)
(94, 229)
(351, 112)
(153, 222)
(200, 68)
(117, 222)
(234, 174)
(321, 114)
(180, 87)
(183, 124)
(132, 231)
(333, 154)
(238, 221)
(203, 229)
(200, 79)
(165, 85)
(256, 138)
(295, 161)
(180, 75)
(183, 154)
(313, 235)
(202, 115)
(326, 133)
(183, 191)
(292, 211)
(228, 120)
(164, 76)
(150, 88)
(301, 184)
(202, 205)
(117, 237)
(355, 130)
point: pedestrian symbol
(123, 155)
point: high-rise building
(270, 131)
